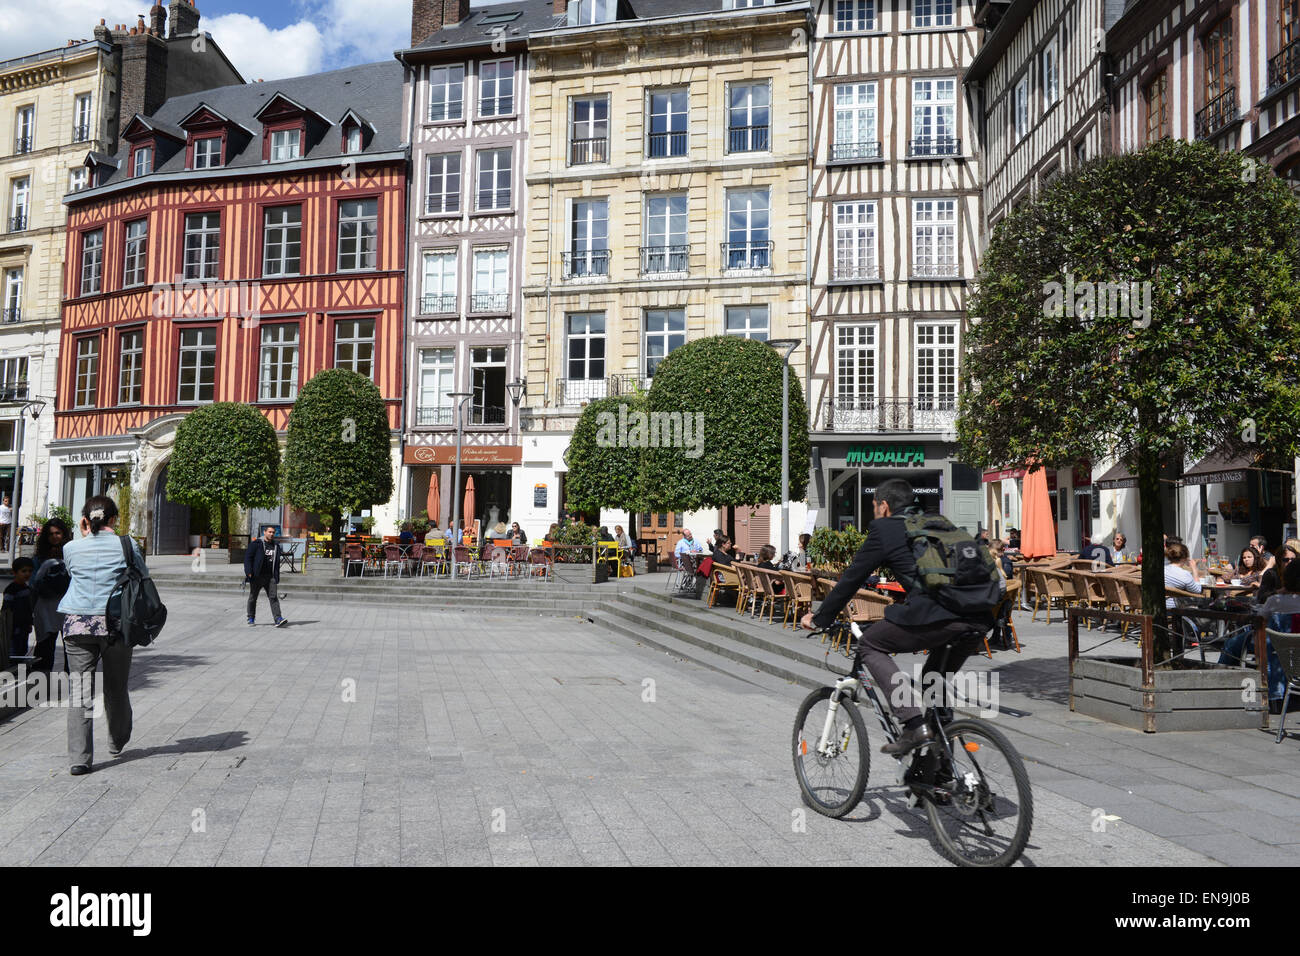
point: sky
(265, 40)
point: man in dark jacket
(918, 624)
(262, 572)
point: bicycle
(980, 807)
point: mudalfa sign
(882, 456)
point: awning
(1222, 465)
(1117, 476)
(1006, 474)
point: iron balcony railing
(1285, 66)
(487, 415)
(438, 415)
(439, 203)
(853, 413)
(847, 152)
(23, 144)
(14, 314)
(940, 268)
(661, 259)
(13, 391)
(585, 264)
(18, 222)
(585, 151)
(571, 392)
(81, 133)
(1216, 114)
(747, 255)
(855, 270)
(933, 146)
(489, 302)
(666, 144)
(749, 139)
(437, 303)
(493, 200)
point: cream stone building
(667, 188)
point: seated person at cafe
(1270, 582)
(552, 532)
(712, 543)
(799, 560)
(407, 536)
(433, 535)
(687, 546)
(517, 533)
(499, 530)
(766, 556)
(724, 551)
(1250, 566)
(1013, 539)
(1281, 612)
(1180, 571)
(1119, 548)
(624, 542)
(1094, 552)
(1260, 544)
(999, 551)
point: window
(748, 321)
(1050, 77)
(86, 390)
(202, 244)
(665, 330)
(142, 161)
(446, 93)
(589, 239)
(488, 383)
(285, 144)
(855, 368)
(438, 292)
(354, 345)
(589, 130)
(936, 367)
(1080, 152)
(135, 252)
(13, 295)
(496, 96)
(934, 128)
(282, 241)
(491, 280)
(1157, 105)
(1022, 107)
(77, 179)
(130, 367)
(437, 373)
(855, 241)
(667, 124)
(746, 4)
(92, 261)
(586, 353)
(855, 122)
(19, 204)
(352, 141)
(583, 13)
(198, 365)
(81, 122)
(358, 234)
(493, 179)
(934, 238)
(442, 184)
(207, 152)
(747, 245)
(1217, 47)
(13, 376)
(749, 118)
(927, 14)
(278, 379)
(8, 435)
(665, 247)
(25, 129)
(1289, 17)
(855, 15)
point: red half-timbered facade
(233, 270)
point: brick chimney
(158, 20)
(184, 18)
(143, 71)
(560, 6)
(430, 16)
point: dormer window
(286, 144)
(142, 160)
(352, 140)
(583, 13)
(207, 152)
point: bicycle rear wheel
(985, 809)
(832, 785)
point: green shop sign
(908, 456)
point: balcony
(438, 415)
(13, 391)
(18, 222)
(587, 264)
(938, 268)
(574, 392)
(851, 413)
(81, 133)
(754, 255)
(11, 315)
(661, 145)
(22, 144)
(657, 260)
(855, 270)
(1216, 114)
(861, 152)
(487, 415)
(928, 146)
(493, 200)
(583, 152)
(1284, 67)
(749, 139)
(489, 302)
(442, 204)
(437, 304)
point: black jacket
(1091, 552)
(886, 546)
(255, 561)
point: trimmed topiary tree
(337, 457)
(225, 454)
(604, 472)
(714, 430)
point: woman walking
(94, 562)
(49, 584)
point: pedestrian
(18, 598)
(49, 584)
(262, 572)
(94, 562)
(6, 519)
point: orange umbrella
(433, 503)
(1038, 534)
(467, 519)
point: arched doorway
(171, 521)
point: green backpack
(954, 569)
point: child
(18, 598)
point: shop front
(490, 467)
(80, 475)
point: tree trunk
(1153, 549)
(336, 528)
(225, 524)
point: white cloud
(30, 28)
(364, 32)
(260, 52)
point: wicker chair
(1087, 593)
(799, 587)
(745, 593)
(723, 577)
(1051, 586)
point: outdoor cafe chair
(539, 560)
(499, 562)
(1287, 648)
(466, 564)
(798, 588)
(354, 555)
(1087, 593)
(770, 594)
(1051, 587)
(393, 558)
(723, 577)
(435, 556)
(745, 592)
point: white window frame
(669, 334)
(436, 377)
(488, 164)
(501, 100)
(860, 15)
(748, 109)
(86, 387)
(200, 356)
(135, 253)
(491, 279)
(25, 127)
(671, 117)
(935, 232)
(933, 14)
(1020, 107)
(585, 13)
(277, 375)
(665, 233)
(282, 234)
(483, 357)
(92, 261)
(439, 270)
(748, 322)
(856, 108)
(77, 179)
(202, 236)
(1051, 73)
(130, 367)
(142, 161)
(589, 237)
(937, 360)
(20, 200)
(934, 108)
(284, 146)
(207, 152)
(348, 335)
(450, 81)
(352, 140)
(857, 366)
(856, 240)
(589, 364)
(751, 236)
(442, 183)
(593, 129)
(13, 294)
(83, 108)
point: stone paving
(469, 739)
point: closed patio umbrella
(1038, 536)
(433, 503)
(467, 519)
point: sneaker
(280, 622)
(251, 622)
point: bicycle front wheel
(832, 782)
(983, 810)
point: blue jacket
(255, 561)
(94, 562)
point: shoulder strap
(128, 552)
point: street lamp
(461, 399)
(36, 406)
(517, 389)
(785, 347)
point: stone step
(550, 607)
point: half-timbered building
(894, 229)
(238, 241)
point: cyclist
(920, 623)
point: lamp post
(461, 398)
(37, 406)
(785, 348)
